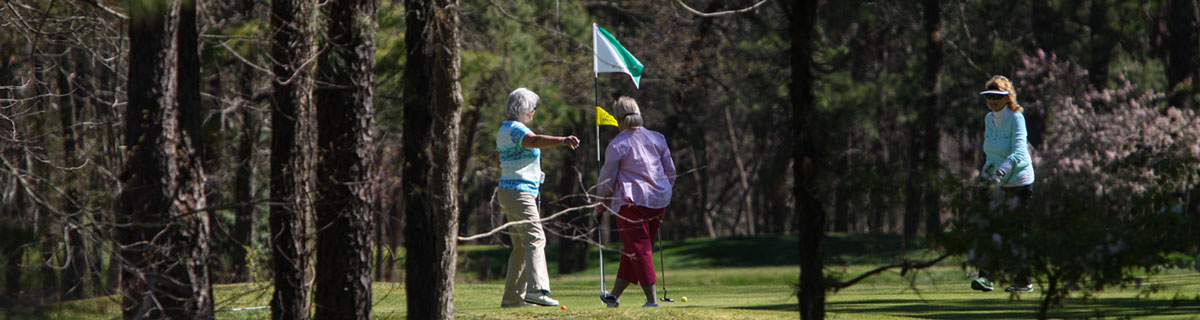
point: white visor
(996, 92)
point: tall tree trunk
(1182, 47)
(43, 224)
(932, 109)
(913, 184)
(164, 243)
(808, 208)
(418, 116)
(17, 230)
(292, 160)
(432, 235)
(73, 275)
(243, 225)
(346, 162)
(1102, 43)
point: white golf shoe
(540, 298)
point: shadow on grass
(767, 250)
(771, 307)
(1025, 309)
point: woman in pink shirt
(636, 178)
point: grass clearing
(749, 283)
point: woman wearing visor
(1009, 164)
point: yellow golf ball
(684, 298)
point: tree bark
(292, 160)
(808, 208)
(346, 162)
(432, 235)
(162, 230)
(418, 115)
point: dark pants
(1023, 194)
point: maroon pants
(637, 265)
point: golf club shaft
(663, 262)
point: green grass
(746, 278)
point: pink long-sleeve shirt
(638, 170)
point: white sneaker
(540, 298)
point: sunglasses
(994, 96)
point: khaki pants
(527, 262)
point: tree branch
(905, 266)
(719, 13)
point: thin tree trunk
(346, 166)
(808, 208)
(164, 242)
(243, 225)
(73, 275)
(292, 159)
(43, 224)
(1182, 48)
(933, 134)
(748, 207)
(1102, 43)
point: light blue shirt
(1006, 143)
(520, 167)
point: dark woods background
(1108, 87)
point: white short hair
(520, 103)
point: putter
(664, 270)
(605, 296)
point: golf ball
(564, 307)
(684, 298)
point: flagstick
(600, 220)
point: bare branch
(719, 13)
(905, 266)
(578, 44)
(513, 223)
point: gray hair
(520, 103)
(627, 113)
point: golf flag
(610, 56)
(604, 119)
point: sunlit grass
(743, 285)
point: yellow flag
(604, 119)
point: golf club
(605, 296)
(664, 271)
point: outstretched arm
(533, 140)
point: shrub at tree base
(1111, 197)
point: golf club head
(607, 297)
(665, 299)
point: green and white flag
(610, 56)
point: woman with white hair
(520, 156)
(637, 178)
